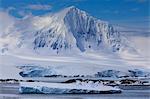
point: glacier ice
(59, 88)
(37, 71)
(138, 73)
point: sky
(103, 9)
(123, 12)
(130, 17)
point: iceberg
(65, 88)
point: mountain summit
(71, 30)
(75, 29)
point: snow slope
(79, 64)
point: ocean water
(9, 91)
(129, 94)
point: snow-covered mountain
(68, 30)
(71, 42)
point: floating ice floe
(65, 88)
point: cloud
(10, 9)
(129, 30)
(116, 12)
(9, 37)
(141, 1)
(38, 7)
(142, 44)
(137, 1)
(75, 1)
(111, 11)
(25, 10)
(24, 13)
(7, 22)
(135, 9)
(80, 0)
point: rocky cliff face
(73, 28)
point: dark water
(11, 92)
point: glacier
(38, 71)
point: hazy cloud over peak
(38, 7)
(134, 9)
(138, 1)
(8, 22)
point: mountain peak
(74, 30)
(71, 9)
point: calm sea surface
(11, 92)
